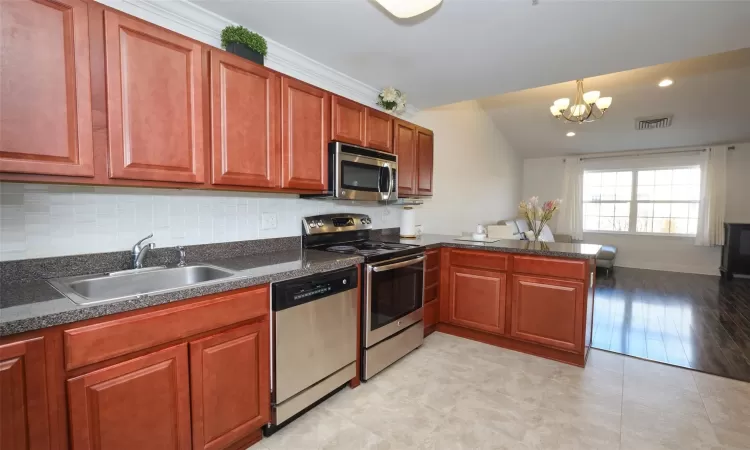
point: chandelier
(586, 107)
(404, 9)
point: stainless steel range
(392, 288)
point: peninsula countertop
(554, 249)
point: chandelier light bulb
(403, 9)
(578, 110)
(570, 134)
(591, 97)
(604, 103)
(562, 103)
(665, 82)
(555, 112)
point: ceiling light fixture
(570, 134)
(403, 9)
(666, 82)
(587, 106)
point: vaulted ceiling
(709, 102)
(469, 49)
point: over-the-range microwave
(359, 173)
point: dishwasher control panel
(295, 292)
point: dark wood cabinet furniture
(230, 391)
(548, 311)
(477, 299)
(24, 405)
(405, 147)
(142, 403)
(348, 119)
(244, 122)
(425, 152)
(154, 102)
(194, 374)
(534, 304)
(431, 290)
(305, 132)
(119, 101)
(379, 130)
(45, 100)
(735, 254)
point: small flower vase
(533, 235)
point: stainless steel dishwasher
(314, 341)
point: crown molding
(194, 21)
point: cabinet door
(379, 130)
(548, 311)
(154, 102)
(305, 123)
(45, 94)
(347, 121)
(424, 161)
(477, 299)
(142, 403)
(229, 377)
(244, 122)
(405, 147)
(24, 420)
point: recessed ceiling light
(666, 82)
(570, 134)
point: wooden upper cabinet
(230, 392)
(154, 102)
(477, 299)
(45, 93)
(379, 130)
(244, 122)
(424, 161)
(142, 403)
(548, 311)
(305, 132)
(24, 419)
(405, 147)
(348, 121)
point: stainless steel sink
(99, 288)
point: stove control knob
(320, 223)
(363, 220)
(313, 224)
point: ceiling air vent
(649, 123)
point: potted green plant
(243, 42)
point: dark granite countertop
(556, 249)
(34, 304)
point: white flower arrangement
(393, 100)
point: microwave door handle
(380, 175)
(397, 265)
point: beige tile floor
(454, 393)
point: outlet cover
(268, 221)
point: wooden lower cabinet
(548, 311)
(142, 403)
(229, 379)
(477, 299)
(24, 419)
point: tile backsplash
(39, 220)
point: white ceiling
(710, 101)
(469, 49)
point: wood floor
(688, 320)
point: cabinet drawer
(98, 342)
(479, 260)
(537, 265)
(431, 313)
(433, 259)
(430, 293)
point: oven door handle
(397, 265)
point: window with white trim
(652, 201)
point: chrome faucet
(139, 251)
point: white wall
(39, 220)
(544, 177)
(477, 176)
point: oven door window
(395, 293)
(361, 177)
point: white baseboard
(667, 267)
(192, 20)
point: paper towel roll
(408, 223)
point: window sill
(631, 233)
